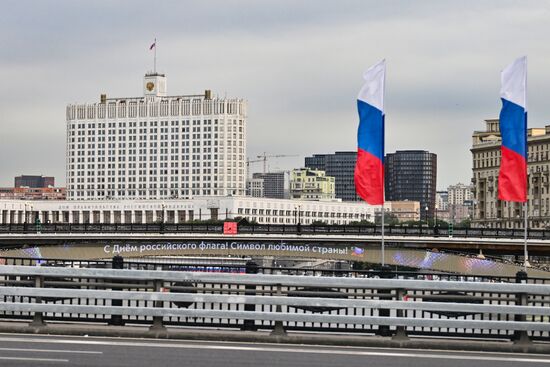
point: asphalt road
(36, 351)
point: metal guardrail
(279, 302)
(274, 229)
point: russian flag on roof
(369, 168)
(512, 178)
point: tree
(363, 222)
(318, 223)
(464, 224)
(390, 219)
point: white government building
(261, 210)
(156, 146)
(171, 159)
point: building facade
(34, 181)
(460, 198)
(255, 186)
(441, 200)
(32, 193)
(404, 211)
(156, 146)
(261, 210)
(458, 193)
(412, 175)
(488, 210)
(310, 184)
(268, 185)
(341, 166)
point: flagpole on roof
(155, 58)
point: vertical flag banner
(512, 178)
(369, 169)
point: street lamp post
(435, 221)
(427, 219)
(163, 206)
(297, 218)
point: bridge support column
(278, 329)
(384, 294)
(38, 318)
(157, 326)
(116, 320)
(400, 332)
(251, 268)
(521, 337)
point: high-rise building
(458, 193)
(310, 184)
(442, 200)
(255, 186)
(267, 185)
(34, 181)
(274, 185)
(412, 175)
(156, 146)
(488, 210)
(459, 202)
(341, 166)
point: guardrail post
(384, 330)
(278, 329)
(38, 318)
(251, 268)
(157, 320)
(400, 332)
(521, 337)
(118, 263)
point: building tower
(341, 166)
(491, 212)
(156, 146)
(411, 175)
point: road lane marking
(52, 360)
(51, 351)
(104, 339)
(315, 350)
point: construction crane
(248, 161)
(265, 156)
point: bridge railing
(271, 229)
(278, 302)
(239, 265)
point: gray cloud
(299, 65)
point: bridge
(417, 247)
(360, 311)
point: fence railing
(242, 265)
(273, 229)
(387, 307)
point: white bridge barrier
(395, 306)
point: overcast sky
(298, 63)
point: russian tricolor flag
(369, 169)
(512, 179)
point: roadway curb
(267, 337)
